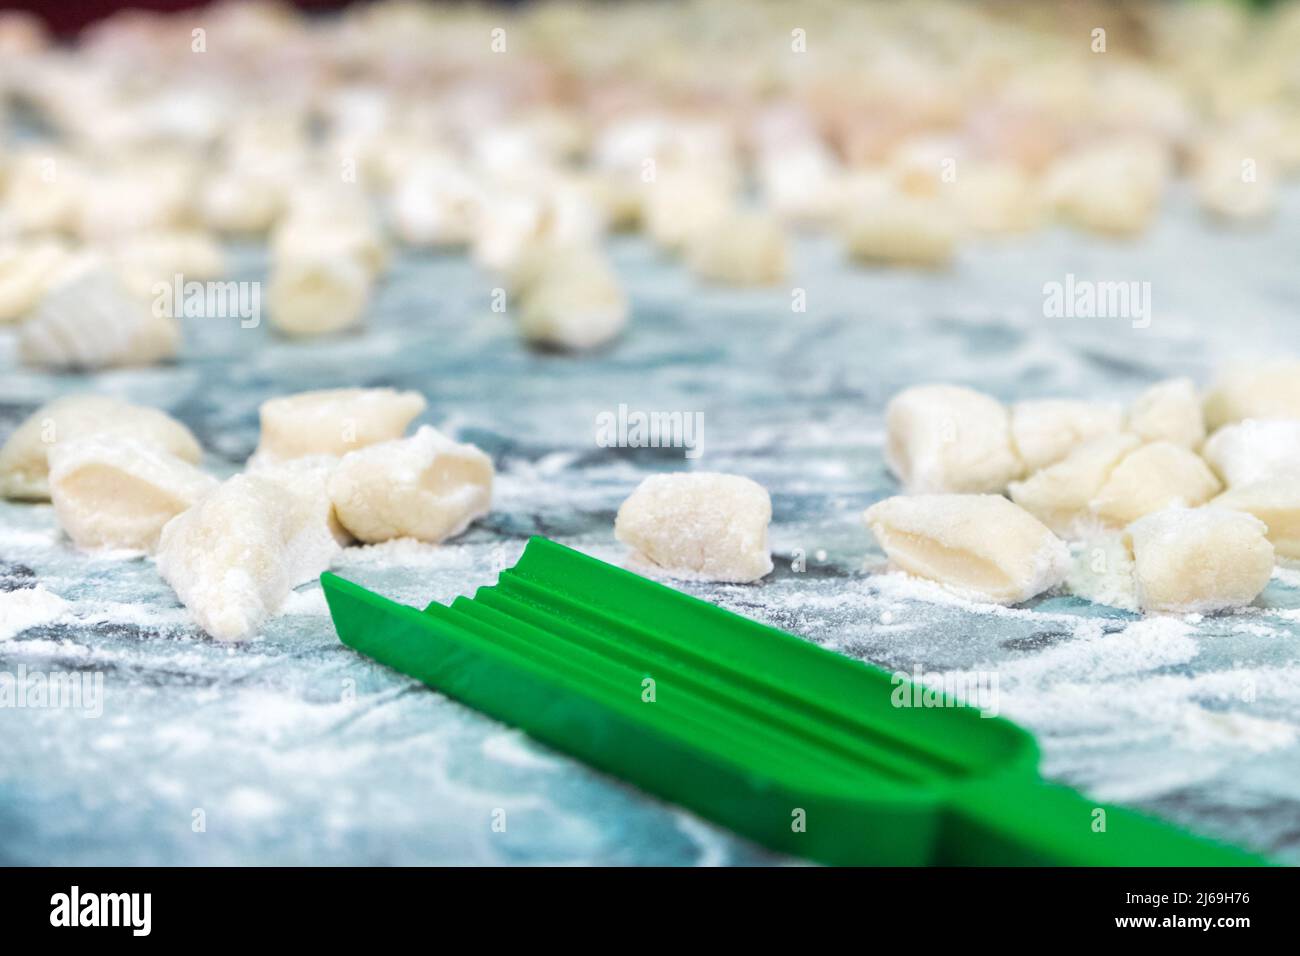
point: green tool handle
(1029, 822)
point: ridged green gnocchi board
(796, 747)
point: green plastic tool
(796, 747)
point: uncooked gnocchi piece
(24, 458)
(152, 258)
(436, 204)
(572, 309)
(947, 438)
(902, 230)
(88, 319)
(1155, 476)
(1252, 451)
(1044, 431)
(26, 269)
(997, 198)
(679, 205)
(234, 556)
(1113, 189)
(1234, 183)
(318, 293)
(1059, 495)
(1199, 559)
(703, 525)
(1169, 411)
(333, 421)
(426, 487)
(1267, 389)
(1274, 501)
(742, 249)
(110, 491)
(306, 478)
(980, 546)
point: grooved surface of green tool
(797, 747)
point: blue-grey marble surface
(298, 751)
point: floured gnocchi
(1060, 495)
(333, 421)
(947, 438)
(317, 293)
(1274, 501)
(234, 556)
(571, 309)
(1267, 389)
(1252, 451)
(306, 478)
(980, 546)
(111, 491)
(703, 525)
(26, 269)
(1169, 411)
(741, 249)
(1044, 431)
(24, 458)
(1153, 477)
(426, 487)
(902, 230)
(1199, 559)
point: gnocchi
(902, 230)
(26, 270)
(333, 421)
(1060, 495)
(1044, 431)
(1274, 501)
(1252, 451)
(742, 249)
(1199, 559)
(1169, 411)
(318, 292)
(947, 438)
(575, 310)
(1269, 389)
(980, 546)
(426, 487)
(703, 525)
(1150, 478)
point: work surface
(292, 749)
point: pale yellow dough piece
(234, 556)
(1266, 389)
(24, 458)
(742, 249)
(26, 269)
(426, 487)
(573, 309)
(703, 525)
(1199, 560)
(306, 478)
(334, 421)
(1252, 451)
(1059, 495)
(1114, 189)
(318, 292)
(110, 491)
(1169, 411)
(1274, 501)
(947, 438)
(902, 230)
(1155, 476)
(979, 546)
(1044, 431)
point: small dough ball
(1059, 495)
(1169, 411)
(573, 309)
(306, 478)
(902, 230)
(307, 238)
(110, 491)
(1113, 189)
(152, 258)
(318, 293)
(89, 320)
(1274, 501)
(241, 201)
(1252, 451)
(1235, 183)
(742, 249)
(334, 421)
(1269, 389)
(1199, 560)
(426, 486)
(24, 458)
(540, 261)
(980, 546)
(26, 269)
(945, 438)
(702, 525)
(1046, 430)
(436, 204)
(234, 556)
(997, 199)
(1155, 476)
(679, 205)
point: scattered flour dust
(28, 607)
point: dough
(1199, 560)
(306, 478)
(150, 258)
(1102, 572)
(902, 230)
(539, 262)
(241, 202)
(678, 205)
(1267, 389)
(89, 320)
(26, 269)
(1152, 477)
(1059, 495)
(996, 198)
(24, 458)
(980, 546)
(318, 292)
(234, 556)
(333, 421)
(946, 438)
(1169, 411)
(318, 237)
(1113, 189)
(111, 491)
(701, 525)
(1252, 451)
(1274, 501)
(1222, 189)
(436, 204)
(573, 309)
(742, 249)
(426, 486)
(1044, 431)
